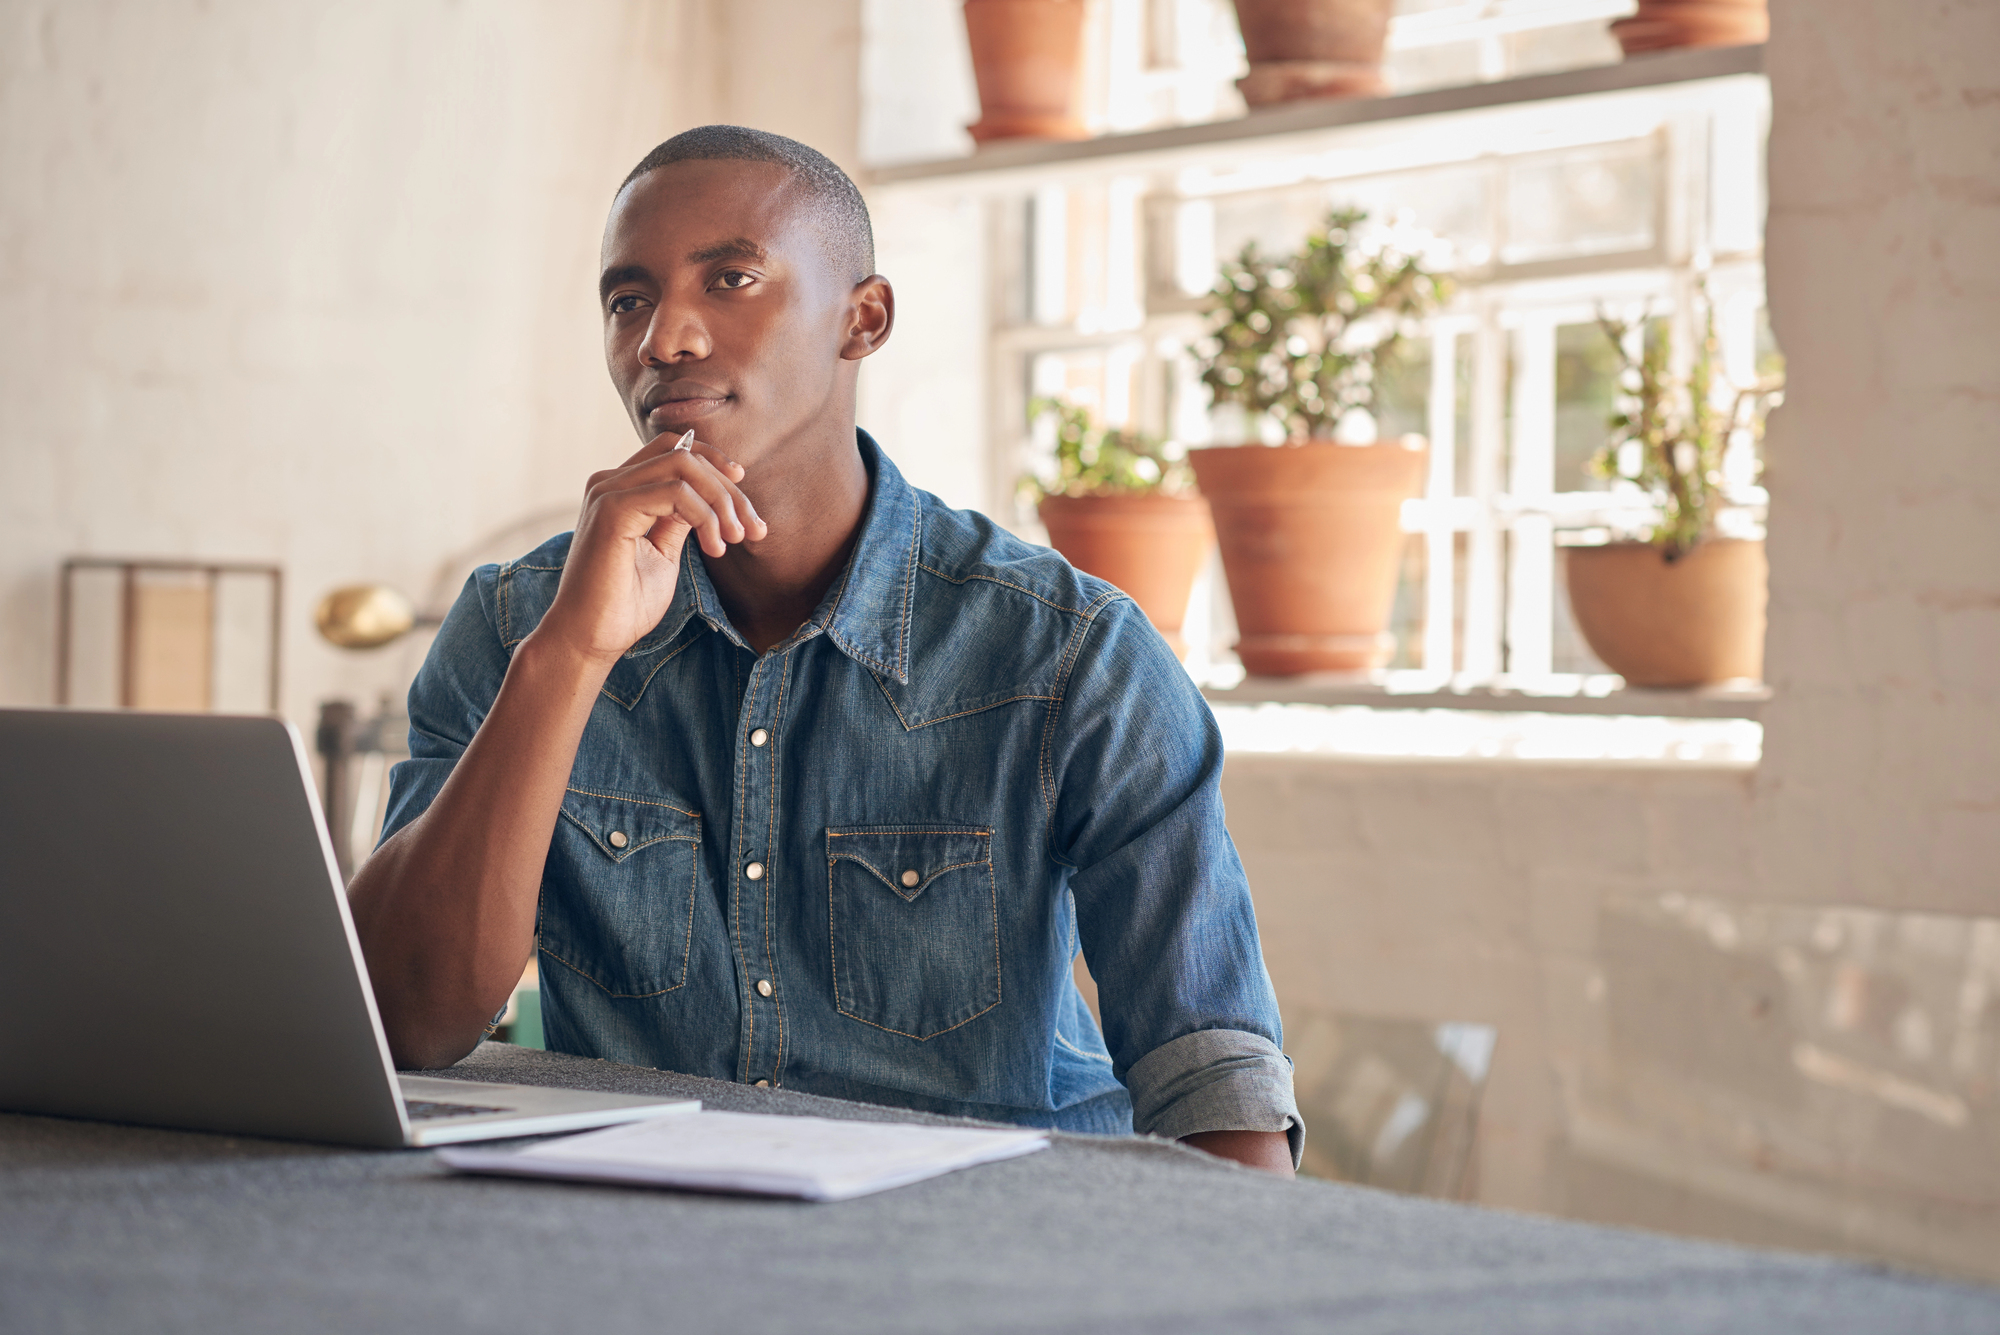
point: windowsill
(1039, 158)
(1357, 734)
(1601, 695)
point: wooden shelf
(1308, 119)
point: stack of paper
(812, 1158)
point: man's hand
(446, 907)
(624, 561)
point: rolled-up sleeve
(1215, 1080)
(1164, 915)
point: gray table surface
(109, 1229)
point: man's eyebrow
(736, 248)
(624, 273)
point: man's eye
(624, 305)
(731, 279)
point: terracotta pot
(1152, 547)
(1686, 623)
(1025, 58)
(1312, 48)
(1311, 539)
(1663, 25)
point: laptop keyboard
(424, 1110)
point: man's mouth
(682, 401)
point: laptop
(178, 950)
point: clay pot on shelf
(1311, 540)
(1025, 58)
(1665, 25)
(1691, 622)
(1152, 547)
(1312, 48)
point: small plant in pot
(1311, 530)
(1681, 604)
(1121, 505)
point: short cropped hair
(837, 209)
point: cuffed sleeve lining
(1215, 1080)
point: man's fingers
(643, 510)
(739, 517)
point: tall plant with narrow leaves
(1301, 338)
(1670, 434)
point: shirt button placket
(756, 756)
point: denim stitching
(1090, 1056)
(623, 996)
(771, 836)
(909, 587)
(503, 581)
(619, 856)
(605, 691)
(736, 891)
(1070, 654)
(946, 718)
(919, 887)
(995, 579)
(993, 895)
(620, 797)
(904, 829)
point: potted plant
(1312, 48)
(1025, 58)
(1311, 529)
(1680, 605)
(1663, 25)
(1121, 505)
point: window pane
(1588, 203)
(1403, 391)
(1586, 393)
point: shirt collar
(866, 614)
(867, 611)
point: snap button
(758, 737)
(763, 1084)
(763, 987)
(910, 878)
(618, 839)
(755, 871)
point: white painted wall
(1883, 784)
(307, 284)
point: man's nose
(673, 335)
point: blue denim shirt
(861, 863)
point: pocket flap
(620, 825)
(907, 858)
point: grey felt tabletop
(112, 1229)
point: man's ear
(871, 314)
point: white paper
(812, 1158)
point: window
(1549, 209)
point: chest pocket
(915, 926)
(618, 896)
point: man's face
(721, 309)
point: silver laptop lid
(179, 951)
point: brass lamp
(367, 616)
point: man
(786, 773)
